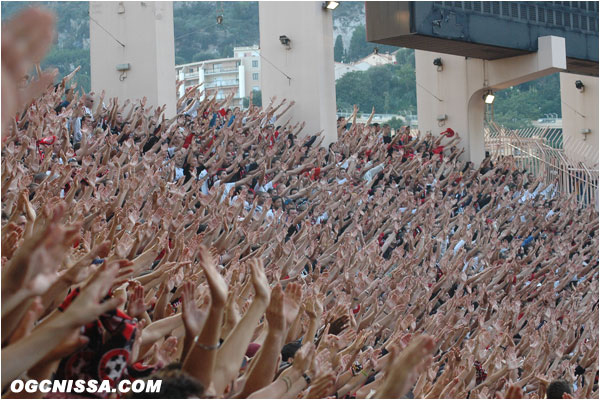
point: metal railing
(363, 117)
(220, 71)
(540, 151)
(234, 82)
(191, 75)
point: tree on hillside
(338, 49)
(350, 89)
(359, 47)
(396, 123)
(389, 88)
(405, 56)
(517, 106)
(66, 60)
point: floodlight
(489, 97)
(330, 5)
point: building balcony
(234, 82)
(220, 71)
(191, 75)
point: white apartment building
(239, 74)
(250, 59)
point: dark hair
(556, 389)
(37, 178)
(175, 385)
(289, 350)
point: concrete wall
(146, 30)
(438, 93)
(309, 63)
(457, 90)
(580, 111)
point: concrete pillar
(580, 114)
(139, 34)
(242, 83)
(308, 63)
(452, 96)
(181, 77)
(201, 80)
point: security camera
(285, 41)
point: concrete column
(579, 114)
(308, 63)
(456, 91)
(201, 80)
(181, 77)
(242, 84)
(139, 34)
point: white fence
(540, 151)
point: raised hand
(514, 392)
(165, 352)
(322, 387)
(275, 311)
(83, 268)
(123, 273)
(136, 305)
(34, 267)
(398, 379)
(339, 324)
(10, 239)
(216, 283)
(259, 280)
(68, 346)
(28, 321)
(193, 317)
(88, 305)
(304, 357)
(314, 306)
(292, 301)
(25, 40)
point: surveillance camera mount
(285, 41)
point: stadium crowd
(228, 253)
